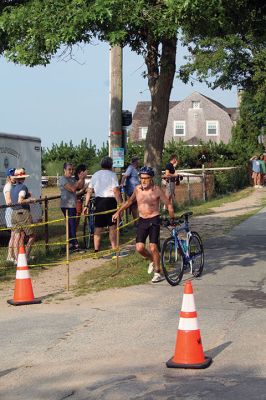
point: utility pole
(115, 102)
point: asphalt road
(114, 345)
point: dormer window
(143, 132)
(195, 104)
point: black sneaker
(76, 250)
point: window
(179, 128)
(143, 132)
(195, 104)
(212, 128)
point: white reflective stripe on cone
(188, 303)
(188, 324)
(22, 260)
(23, 274)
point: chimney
(239, 97)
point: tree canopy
(228, 44)
(225, 38)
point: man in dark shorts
(148, 197)
(107, 197)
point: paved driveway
(114, 344)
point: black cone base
(23, 303)
(205, 364)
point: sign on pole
(118, 156)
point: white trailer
(19, 151)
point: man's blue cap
(10, 171)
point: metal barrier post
(117, 241)
(67, 249)
(46, 229)
(188, 191)
(203, 184)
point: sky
(69, 99)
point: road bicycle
(88, 225)
(182, 251)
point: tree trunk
(161, 72)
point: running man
(148, 197)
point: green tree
(35, 31)
(226, 43)
(249, 126)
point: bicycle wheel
(196, 254)
(87, 234)
(172, 262)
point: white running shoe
(157, 277)
(150, 268)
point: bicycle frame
(178, 242)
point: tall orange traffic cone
(188, 349)
(23, 293)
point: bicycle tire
(172, 262)
(196, 253)
(87, 234)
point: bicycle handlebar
(177, 221)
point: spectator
(107, 197)
(80, 193)
(148, 197)
(131, 177)
(256, 176)
(68, 187)
(7, 195)
(262, 169)
(21, 217)
(172, 178)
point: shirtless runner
(148, 197)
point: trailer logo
(10, 151)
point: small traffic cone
(188, 349)
(23, 293)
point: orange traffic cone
(23, 293)
(188, 349)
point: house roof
(142, 111)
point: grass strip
(132, 271)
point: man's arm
(124, 178)
(8, 198)
(22, 198)
(117, 194)
(168, 173)
(124, 206)
(87, 199)
(77, 185)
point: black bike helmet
(146, 170)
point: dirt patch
(51, 283)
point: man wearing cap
(131, 177)
(148, 197)
(21, 217)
